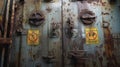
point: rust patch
(48, 9)
(1, 4)
(21, 1)
(70, 26)
(68, 4)
(68, 10)
(54, 30)
(64, 3)
(38, 65)
(104, 3)
(109, 45)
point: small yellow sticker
(33, 37)
(92, 36)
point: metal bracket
(36, 19)
(87, 17)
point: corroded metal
(68, 51)
(69, 28)
(5, 41)
(6, 23)
(78, 57)
(55, 30)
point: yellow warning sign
(92, 36)
(33, 37)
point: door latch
(87, 17)
(36, 19)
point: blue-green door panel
(54, 48)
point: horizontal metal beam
(5, 41)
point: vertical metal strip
(19, 55)
(20, 41)
(11, 30)
(3, 53)
(6, 22)
(12, 18)
(63, 64)
(5, 32)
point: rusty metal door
(79, 49)
(59, 33)
(45, 17)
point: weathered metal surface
(62, 40)
(6, 30)
(25, 55)
(5, 41)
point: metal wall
(62, 40)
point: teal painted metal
(57, 51)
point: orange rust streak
(108, 43)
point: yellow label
(33, 37)
(92, 36)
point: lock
(36, 19)
(87, 17)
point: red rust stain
(109, 47)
